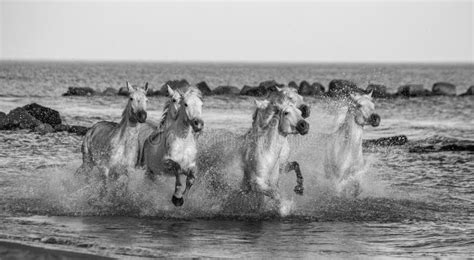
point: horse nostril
(197, 124)
(142, 116)
(305, 111)
(302, 127)
(374, 120)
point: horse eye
(286, 113)
(185, 104)
(131, 98)
(174, 100)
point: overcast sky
(355, 31)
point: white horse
(265, 147)
(290, 95)
(171, 149)
(344, 158)
(112, 147)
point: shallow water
(412, 204)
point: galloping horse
(290, 95)
(344, 155)
(113, 147)
(171, 149)
(265, 146)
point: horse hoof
(299, 190)
(178, 202)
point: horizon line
(236, 61)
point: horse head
(137, 102)
(175, 102)
(286, 115)
(287, 94)
(364, 110)
(190, 108)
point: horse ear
(170, 90)
(261, 103)
(146, 87)
(130, 88)
(278, 88)
(258, 103)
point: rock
(174, 84)
(342, 88)
(79, 130)
(43, 114)
(387, 141)
(61, 128)
(3, 120)
(20, 118)
(44, 129)
(304, 85)
(204, 88)
(110, 92)
(158, 93)
(444, 89)
(263, 89)
(378, 91)
(293, 84)
(123, 91)
(270, 86)
(469, 91)
(413, 90)
(79, 91)
(459, 147)
(49, 240)
(252, 91)
(226, 90)
(315, 89)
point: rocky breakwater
(37, 118)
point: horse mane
(267, 114)
(192, 90)
(182, 91)
(164, 115)
(126, 112)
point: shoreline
(11, 249)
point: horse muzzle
(197, 124)
(374, 120)
(305, 110)
(141, 116)
(302, 127)
(177, 202)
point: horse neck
(126, 126)
(350, 135)
(268, 140)
(166, 120)
(179, 127)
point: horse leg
(190, 177)
(173, 167)
(150, 174)
(84, 170)
(294, 166)
(86, 166)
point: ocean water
(411, 205)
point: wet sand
(11, 250)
